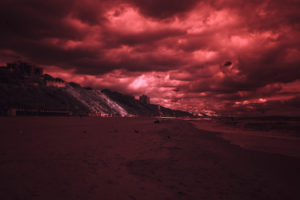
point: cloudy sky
(196, 55)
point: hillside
(26, 90)
(134, 106)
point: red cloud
(225, 56)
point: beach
(142, 158)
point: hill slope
(26, 88)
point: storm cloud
(196, 55)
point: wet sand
(273, 141)
(126, 158)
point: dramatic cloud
(197, 55)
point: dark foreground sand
(89, 158)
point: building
(54, 82)
(37, 112)
(145, 99)
(21, 73)
(25, 69)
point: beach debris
(84, 131)
(156, 122)
(169, 137)
(136, 131)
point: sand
(284, 141)
(127, 158)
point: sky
(213, 56)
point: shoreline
(278, 143)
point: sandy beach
(283, 142)
(135, 158)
